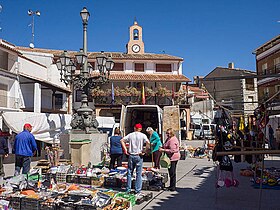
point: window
(118, 67)
(251, 99)
(135, 34)
(163, 68)
(264, 68)
(277, 64)
(58, 98)
(266, 92)
(139, 67)
(78, 96)
(249, 83)
(3, 95)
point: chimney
(231, 65)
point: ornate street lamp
(84, 119)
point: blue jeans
(22, 162)
(135, 161)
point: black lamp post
(84, 119)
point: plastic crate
(111, 182)
(145, 184)
(30, 204)
(65, 206)
(61, 177)
(85, 207)
(70, 178)
(47, 206)
(15, 203)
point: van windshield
(197, 126)
(106, 130)
(205, 127)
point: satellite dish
(1, 8)
(31, 45)
(38, 13)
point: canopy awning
(44, 125)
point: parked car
(207, 132)
(197, 131)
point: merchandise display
(70, 187)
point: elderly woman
(171, 148)
(155, 145)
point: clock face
(135, 48)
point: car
(207, 132)
(197, 131)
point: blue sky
(206, 33)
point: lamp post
(84, 119)
(31, 13)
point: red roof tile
(114, 55)
(148, 77)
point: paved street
(196, 180)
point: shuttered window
(139, 67)
(3, 95)
(163, 68)
(118, 67)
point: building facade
(268, 70)
(234, 89)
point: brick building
(268, 70)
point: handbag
(164, 161)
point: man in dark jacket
(4, 151)
(25, 147)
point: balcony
(9, 102)
(132, 96)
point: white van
(150, 116)
(106, 125)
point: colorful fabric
(155, 141)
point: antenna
(31, 13)
(0, 20)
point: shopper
(271, 137)
(155, 145)
(4, 151)
(136, 141)
(25, 147)
(278, 137)
(116, 149)
(171, 148)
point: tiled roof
(9, 46)
(114, 55)
(267, 45)
(148, 77)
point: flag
(143, 94)
(113, 93)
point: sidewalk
(196, 190)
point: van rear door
(122, 120)
(171, 119)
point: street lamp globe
(84, 15)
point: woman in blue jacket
(155, 145)
(116, 149)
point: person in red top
(171, 148)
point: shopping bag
(164, 161)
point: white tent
(44, 126)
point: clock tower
(135, 44)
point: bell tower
(135, 44)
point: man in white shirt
(136, 142)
